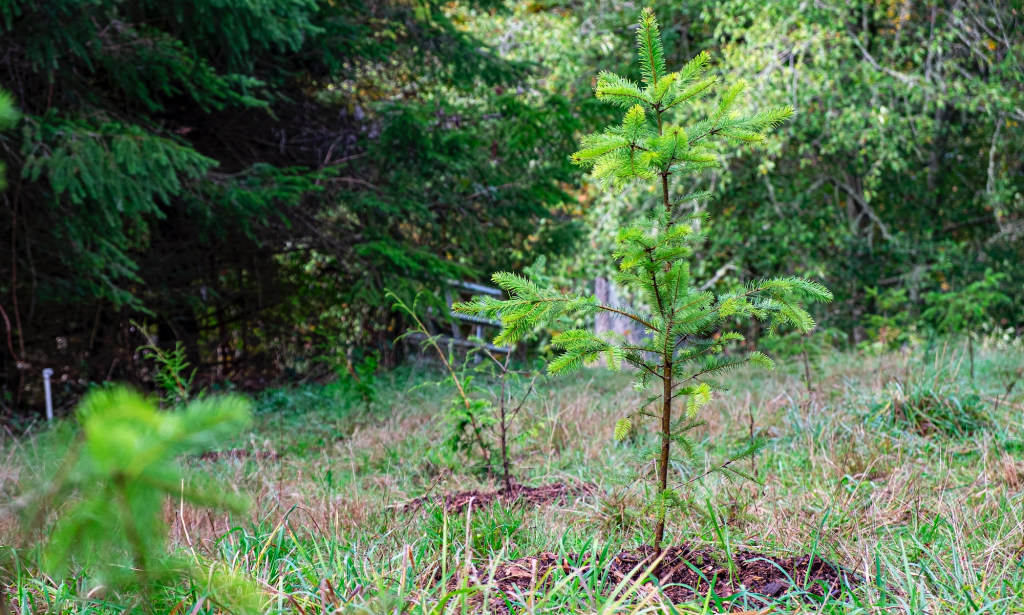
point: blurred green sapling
(102, 509)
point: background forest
(248, 177)
(253, 244)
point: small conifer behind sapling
(466, 414)
(507, 407)
(469, 414)
(681, 355)
(169, 367)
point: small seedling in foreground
(109, 494)
(681, 357)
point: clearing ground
(895, 473)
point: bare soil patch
(554, 493)
(683, 574)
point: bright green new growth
(116, 478)
(682, 352)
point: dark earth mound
(683, 574)
(546, 494)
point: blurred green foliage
(899, 173)
(100, 510)
(9, 117)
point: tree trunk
(603, 292)
(856, 214)
(666, 400)
(666, 441)
(970, 351)
(937, 155)
(807, 371)
(504, 433)
(222, 343)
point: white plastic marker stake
(49, 396)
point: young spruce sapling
(682, 355)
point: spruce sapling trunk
(663, 461)
(686, 327)
(970, 351)
(666, 396)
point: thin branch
(870, 213)
(522, 401)
(909, 80)
(627, 315)
(490, 188)
(10, 343)
(353, 180)
(990, 185)
(705, 371)
(718, 276)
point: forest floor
(860, 510)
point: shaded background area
(247, 178)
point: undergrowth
(929, 519)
